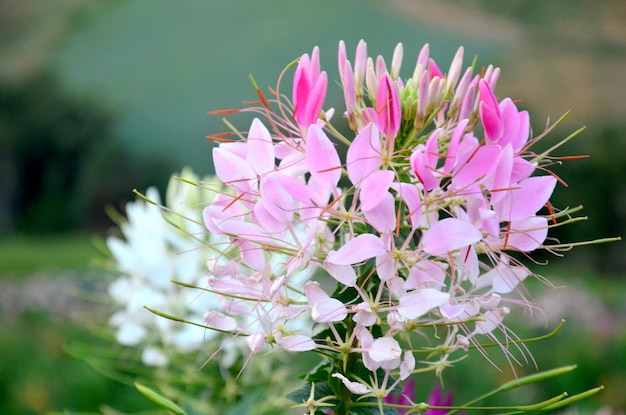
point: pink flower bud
(388, 107)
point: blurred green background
(100, 97)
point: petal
(314, 293)
(528, 234)
(314, 102)
(374, 188)
(388, 107)
(419, 302)
(490, 113)
(255, 341)
(476, 167)
(296, 343)
(407, 366)
(328, 310)
(220, 321)
(506, 278)
(516, 125)
(359, 249)
(383, 216)
(322, 159)
(344, 274)
(410, 194)
(260, 149)
(364, 154)
(526, 198)
(385, 349)
(449, 234)
(232, 170)
(492, 320)
(354, 387)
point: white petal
(385, 349)
(354, 387)
(417, 303)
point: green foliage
(58, 164)
(45, 137)
(23, 255)
(159, 399)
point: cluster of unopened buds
(421, 226)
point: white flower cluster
(158, 247)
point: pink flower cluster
(419, 225)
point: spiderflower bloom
(421, 225)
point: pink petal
(315, 101)
(278, 201)
(358, 249)
(364, 154)
(407, 366)
(477, 167)
(490, 113)
(388, 107)
(434, 70)
(374, 188)
(385, 349)
(448, 235)
(385, 267)
(220, 321)
(457, 135)
(354, 387)
(409, 193)
(425, 271)
(528, 234)
(522, 169)
(255, 341)
(233, 170)
(296, 343)
(507, 277)
(419, 302)
(526, 199)
(260, 149)
(383, 215)
(301, 82)
(502, 175)
(266, 219)
(245, 231)
(424, 161)
(295, 188)
(329, 310)
(364, 315)
(314, 293)
(360, 61)
(349, 89)
(252, 254)
(516, 125)
(322, 159)
(344, 274)
(493, 319)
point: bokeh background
(100, 97)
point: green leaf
(304, 393)
(575, 398)
(372, 410)
(159, 400)
(320, 373)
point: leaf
(159, 399)
(304, 393)
(372, 410)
